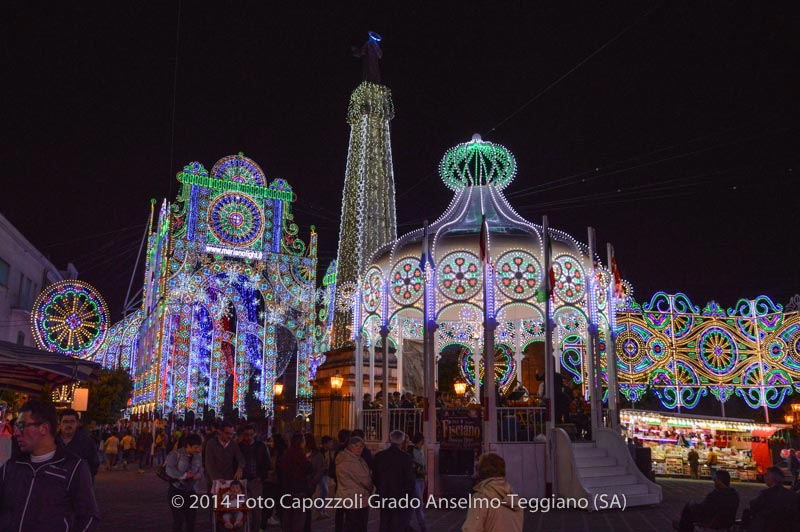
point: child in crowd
(234, 520)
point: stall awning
(27, 369)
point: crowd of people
(775, 508)
(48, 483)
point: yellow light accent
(336, 381)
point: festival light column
(611, 348)
(368, 201)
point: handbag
(161, 473)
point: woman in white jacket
(354, 485)
(486, 514)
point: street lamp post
(278, 389)
(336, 385)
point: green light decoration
(477, 163)
(369, 218)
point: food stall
(741, 445)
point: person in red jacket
(45, 487)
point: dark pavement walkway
(138, 502)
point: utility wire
(90, 237)
(174, 98)
(609, 166)
(576, 67)
(530, 191)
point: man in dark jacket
(77, 441)
(256, 467)
(294, 478)
(223, 458)
(144, 448)
(45, 487)
(717, 511)
(393, 475)
(775, 508)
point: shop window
(4, 270)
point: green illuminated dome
(477, 163)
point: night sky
(674, 132)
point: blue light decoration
(572, 356)
(375, 37)
(489, 310)
(229, 291)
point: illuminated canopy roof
(477, 171)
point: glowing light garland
(685, 352)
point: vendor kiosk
(741, 445)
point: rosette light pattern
(236, 220)
(70, 317)
(477, 163)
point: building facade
(24, 271)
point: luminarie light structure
(368, 205)
(229, 300)
(434, 280)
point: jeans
(129, 457)
(356, 520)
(144, 458)
(293, 519)
(185, 514)
(419, 513)
(323, 487)
(394, 520)
(255, 489)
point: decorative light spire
(368, 205)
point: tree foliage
(108, 396)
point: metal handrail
(514, 424)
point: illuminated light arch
(227, 283)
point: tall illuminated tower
(368, 208)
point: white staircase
(602, 471)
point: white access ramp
(602, 471)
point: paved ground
(132, 502)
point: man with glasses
(223, 458)
(45, 487)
